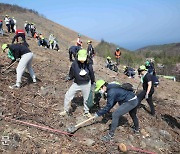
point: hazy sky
(131, 24)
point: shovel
(8, 67)
(72, 129)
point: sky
(131, 24)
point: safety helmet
(108, 58)
(117, 49)
(82, 55)
(147, 63)
(142, 68)
(4, 46)
(89, 41)
(99, 84)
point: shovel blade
(71, 129)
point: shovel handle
(81, 123)
(10, 66)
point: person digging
(127, 101)
(21, 53)
(82, 73)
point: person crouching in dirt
(42, 41)
(130, 72)
(83, 75)
(21, 53)
(148, 88)
(127, 103)
(20, 33)
(73, 50)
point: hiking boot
(107, 137)
(15, 86)
(63, 113)
(88, 115)
(136, 131)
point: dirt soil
(41, 103)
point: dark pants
(22, 35)
(12, 28)
(8, 27)
(117, 61)
(70, 55)
(124, 108)
(142, 95)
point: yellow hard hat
(4, 46)
(99, 84)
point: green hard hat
(82, 55)
(142, 68)
(147, 63)
(99, 84)
(108, 57)
(4, 46)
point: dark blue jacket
(75, 70)
(74, 49)
(115, 94)
(18, 50)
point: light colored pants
(85, 89)
(25, 62)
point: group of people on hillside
(73, 50)
(81, 71)
(10, 24)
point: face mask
(101, 92)
(82, 72)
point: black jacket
(74, 49)
(75, 70)
(147, 78)
(115, 93)
(90, 50)
(18, 50)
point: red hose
(139, 150)
(38, 126)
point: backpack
(11, 21)
(127, 86)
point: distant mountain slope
(66, 37)
(173, 49)
(105, 49)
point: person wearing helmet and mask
(117, 55)
(127, 101)
(18, 52)
(148, 88)
(82, 73)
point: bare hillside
(26, 113)
(65, 36)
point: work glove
(67, 78)
(146, 97)
(18, 59)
